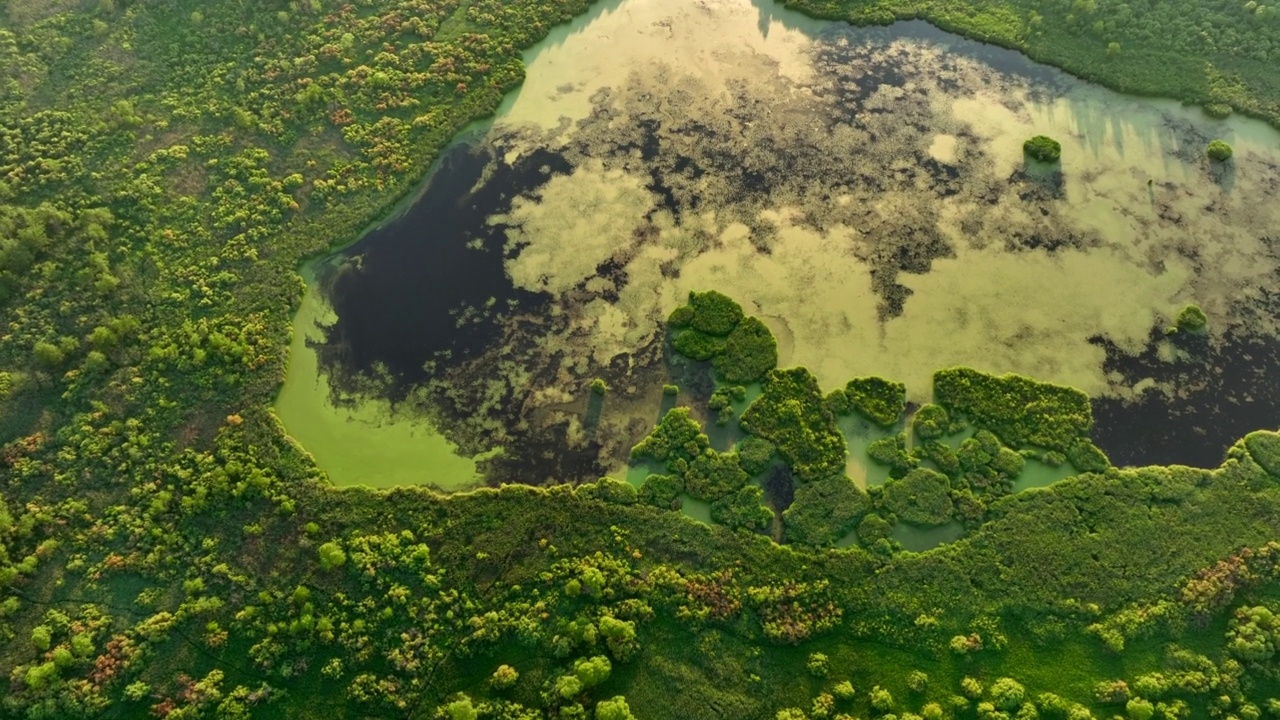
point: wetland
(862, 191)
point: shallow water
(863, 191)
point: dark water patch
(429, 289)
(1207, 396)
(779, 487)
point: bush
(792, 415)
(599, 387)
(712, 475)
(1219, 151)
(1192, 319)
(1043, 148)
(1019, 410)
(610, 490)
(661, 491)
(1264, 448)
(1087, 457)
(892, 452)
(677, 437)
(743, 509)
(931, 422)
(818, 665)
(714, 313)
(504, 677)
(697, 345)
(923, 497)
(1007, 693)
(824, 511)
(749, 352)
(332, 556)
(880, 401)
(755, 453)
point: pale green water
(859, 434)
(918, 539)
(365, 445)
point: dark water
(411, 290)
(1223, 392)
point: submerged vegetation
(167, 551)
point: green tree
(332, 556)
(615, 708)
(1219, 151)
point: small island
(1043, 148)
(1219, 151)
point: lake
(863, 191)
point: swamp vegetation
(168, 550)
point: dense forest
(167, 551)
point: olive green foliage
(922, 497)
(892, 452)
(931, 422)
(599, 387)
(749, 352)
(743, 508)
(1042, 148)
(712, 327)
(755, 453)
(1219, 151)
(714, 313)
(1087, 457)
(1264, 448)
(698, 345)
(1192, 319)
(824, 511)
(791, 414)
(332, 556)
(712, 475)
(677, 438)
(1019, 410)
(661, 491)
(880, 401)
(610, 489)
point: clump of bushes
(1192, 319)
(1019, 410)
(824, 511)
(792, 415)
(712, 327)
(742, 509)
(878, 400)
(1219, 151)
(922, 497)
(1042, 148)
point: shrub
(1007, 693)
(1043, 148)
(818, 665)
(931, 422)
(754, 454)
(880, 401)
(599, 387)
(824, 511)
(714, 313)
(677, 437)
(1218, 151)
(1264, 448)
(749, 352)
(792, 415)
(922, 497)
(661, 491)
(1019, 410)
(697, 345)
(713, 475)
(1087, 457)
(1192, 319)
(504, 677)
(742, 509)
(614, 708)
(332, 556)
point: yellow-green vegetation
(712, 327)
(878, 400)
(1021, 411)
(791, 414)
(1042, 148)
(1219, 150)
(1192, 319)
(166, 551)
(921, 497)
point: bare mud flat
(862, 190)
